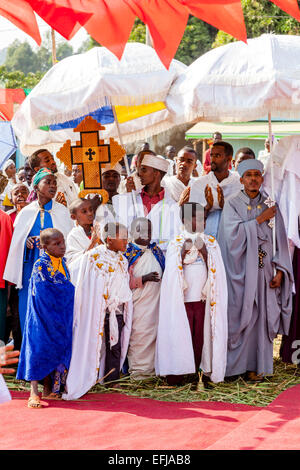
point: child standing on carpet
(192, 329)
(102, 314)
(146, 264)
(47, 340)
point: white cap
(7, 164)
(108, 167)
(156, 161)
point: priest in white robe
(217, 186)
(153, 202)
(186, 163)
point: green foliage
(25, 67)
(197, 40)
(20, 56)
(262, 16)
(18, 79)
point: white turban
(156, 161)
(7, 164)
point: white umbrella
(241, 82)
(83, 83)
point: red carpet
(118, 422)
(114, 422)
(276, 427)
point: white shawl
(77, 244)
(66, 186)
(174, 350)
(230, 186)
(176, 187)
(61, 220)
(92, 299)
(164, 216)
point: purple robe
(256, 312)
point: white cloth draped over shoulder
(104, 215)
(77, 244)
(176, 187)
(141, 352)
(230, 186)
(61, 220)
(164, 216)
(66, 186)
(174, 350)
(102, 284)
(286, 170)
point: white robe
(141, 352)
(230, 186)
(175, 187)
(164, 216)
(104, 215)
(102, 283)
(61, 220)
(77, 244)
(66, 186)
(286, 170)
(174, 349)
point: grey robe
(256, 313)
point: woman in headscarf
(25, 247)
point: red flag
(20, 13)
(226, 15)
(62, 17)
(110, 24)
(166, 20)
(289, 6)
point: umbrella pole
(53, 46)
(272, 182)
(125, 158)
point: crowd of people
(174, 276)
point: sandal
(52, 396)
(34, 402)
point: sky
(9, 32)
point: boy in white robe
(146, 264)
(84, 236)
(192, 329)
(102, 314)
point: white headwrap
(7, 164)
(156, 161)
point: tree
(63, 50)
(17, 78)
(262, 17)
(20, 56)
(197, 40)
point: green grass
(238, 391)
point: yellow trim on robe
(57, 264)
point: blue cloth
(104, 115)
(212, 223)
(30, 257)
(47, 338)
(133, 252)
